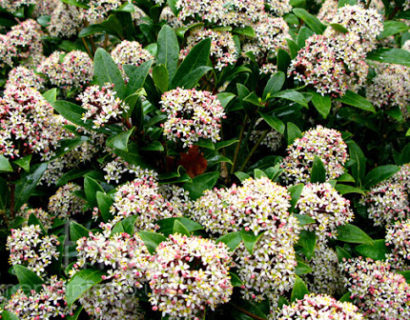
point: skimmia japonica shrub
(204, 160)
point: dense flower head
(188, 274)
(65, 21)
(98, 10)
(390, 87)
(102, 105)
(192, 115)
(379, 293)
(130, 52)
(279, 7)
(326, 277)
(332, 65)
(124, 257)
(45, 7)
(328, 10)
(48, 303)
(366, 23)
(272, 140)
(43, 216)
(325, 143)
(398, 239)
(28, 124)
(64, 203)
(170, 18)
(223, 51)
(321, 202)
(112, 301)
(73, 69)
(142, 198)
(29, 247)
(177, 196)
(22, 77)
(319, 307)
(258, 205)
(402, 177)
(386, 203)
(117, 168)
(14, 5)
(270, 270)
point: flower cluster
(48, 303)
(170, 18)
(45, 7)
(75, 69)
(28, 247)
(259, 205)
(177, 196)
(21, 43)
(386, 203)
(322, 203)
(272, 140)
(65, 21)
(28, 124)
(390, 87)
(188, 274)
(115, 170)
(130, 52)
(143, 199)
(328, 10)
(402, 177)
(379, 293)
(326, 276)
(319, 307)
(279, 7)
(102, 105)
(223, 51)
(43, 216)
(14, 5)
(327, 144)
(192, 115)
(21, 77)
(398, 239)
(64, 203)
(98, 10)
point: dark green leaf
(342, 254)
(70, 111)
(235, 280)
(120, 141)
(379, 174)
(292, 95)
(352, 234)
(8, 315)
(50, 95)
(339, 28)
(199, 184)
(273, 121)
(225, 143)
(303, 35)
(346, 189)
(5, 165)
(191, 79)
(393, 27)
(28, 279)
(295, 192)
(307, 241)
(24, 162)
(353, 99)
(104, 202)
(311, 21)
(137, 76)
(397, 56)
(302, 268)
(80, 283)
(168, 51)
(283, 60)
(77, 231)
(304, 219)
(375, 251)
(299, 290)
(293, 132)
(323, 104)
(160, 77)
(246, 31)
(274, 84)
(346, 297)
(405, 274)
(232, 240)
(242, 175)
(318, 171)
(250, 239)
(91, 187)
(180, 228)
(151, 240)
(34, 221)
(359, 166)
(225, 98)
(167, 225)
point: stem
(238, 146)
(254, 316)
(368, 4)
(93, 44)
(254, 149)
(12, 199)
(87, 48)
(106, 41)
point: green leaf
(172, 5)
(295, 192)
(293, 48)
(5, 165)
(405, 274)
(77, 231)
(197, 57)
(304, 219)
(379, 174)
(120, 141)
(191, 79)
(232, 240)
(318, 171)
(274, 122)
(242, 175)
(392, 27)
(225, 98)
(154, 146)
(34, 221)
(8, 315)
(359, 166)
(299, 290)
(302, 268)
(104, 202)
(70, 111)
(283, 60)
(24, 162)
(345, 177)
(342, 254)
(50, 95)
(151, 240)
(199, 184)
(80, 283)
(258, 173)
(352, 234)
(28, 279)
(342, 3)
(339, 28)
(311, 21)
(397, 56)
(375, 251)
(293, 132)
(346, 297)
(246, 31)
(274, 84)
(91, 187)
(168, 225)
(252, 98)
(180, 228)
(26, 185)
(323, 104)
(76, 314)
(106, 71)
(225, 143)
(160, 77)
(168, 51)
(235, 280)
(250, 239)
(307, 241)
(292, 95)
(303, 35)
(137, 76)
(353, 99)
(346, 189)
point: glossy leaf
(318, 171)
(274, 84)
(27, 279)
(5, 165)
(80, 283)
(168, 52)
(151, 240)
(232, 240)
(379, 174)
(299, 290)
(322, 104)
(353, 234)
(353, 99)
(199, 184)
